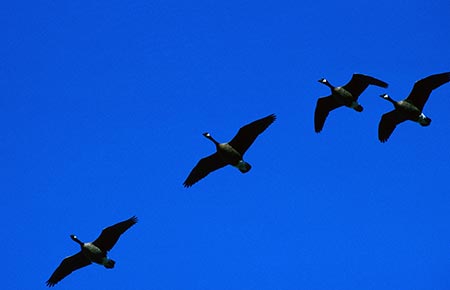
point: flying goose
(94, 252)
(230, 153)
(411, 107)
(346, 95)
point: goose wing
(360, 82)
(323, 107)
(67, 266)
(204, 167)
(248, 133)
(110, 235)
(388, 123)
(423, 88)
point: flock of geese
(232, 153)
(408, 109)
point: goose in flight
(346, 95)
(230, 153)
(94, 252)
(411, 107)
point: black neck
(207, 135)
(327, 83)
(387, 97)
(74, 238)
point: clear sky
(102, 107)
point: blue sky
(102, 108)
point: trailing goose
(94, 252)
(230, 153)
(411, 107)
(346, 95)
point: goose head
(388, 98)
(207, 135)
(326, 82)
(323, 81)
(75, 238)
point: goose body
(410, 108)
(230, 153)
(94, 252)
(346, 95)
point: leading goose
(230, 153)
(94, 252)
(411, 107)
(346, 95)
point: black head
(208, 136)
(323, 81)
(74, 238)
(388, 98)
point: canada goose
(229, 153)
(346, 95)
(411, 107)
(92, 252)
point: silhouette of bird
(346, 95)
(94, 252)
(230, 153)
(410, 108)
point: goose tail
(109, 263)
(243, 166)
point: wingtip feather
(134, 219)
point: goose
(346, 95)
(411, 107)
(230, 153)
(94, 252)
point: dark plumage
(410, 108)
(346, 95)
(94, 252)
(230, 153)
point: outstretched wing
(388, 123)
(110, 235)
(247, 134)
(67, 266)
(360, 82)
(423, 88)
(203, 168)
(323, 107)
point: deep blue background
(102, 106)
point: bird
(346, 95)
(410, 108)
(94, 252)
(230, 153)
